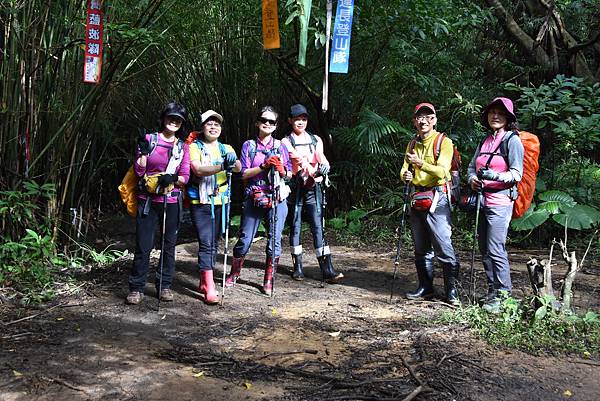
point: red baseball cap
(424, 105)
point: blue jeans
(309, 200)
(144, 241)
(432, 233)
(251, 218)
(208, 231)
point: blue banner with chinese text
(340, 47)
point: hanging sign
(325, 100)
(270, 24)
(92, 65)
(342, 30)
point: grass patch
(533, 326)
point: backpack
(130, 185)
(253, 149)
(453, 185)
(222, 152)
(526, 187)
(312, 145)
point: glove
(229, 161)
(143, 143)
(167, 179)
(276, 162)
(487, 174)
(324, 169)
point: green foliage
(28, 265)
(563, 209)
(534, 325)
(23, 208)
(350, 221)
(565, 111)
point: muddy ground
(308, 342)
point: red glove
(276, 162)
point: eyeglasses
(213, 124)
(425, 118)
(267, 121)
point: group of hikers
(278, 175)
(289, 176)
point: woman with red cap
(495, 169)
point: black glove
(487, 174)
(143, 143)
(167, 179)
(229, 161)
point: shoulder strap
(153, 142)
(504, 144)
(313, 139)
(252, 152)
(291, 139)
(437, 146)
(412, 144)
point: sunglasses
(266, 121)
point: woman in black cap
(163, 159)
(495, 169)
(310, 168)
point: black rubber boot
(425, 276)
(450, 280)
(329, 274)
(298, 273)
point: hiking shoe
(134, 297)
(493, 306)
(166, 295)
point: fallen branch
(35, 315)
(411, 371)
(437, 365)
(306, 351)
(64, 383)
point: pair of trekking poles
(401, 235)
(273, 224)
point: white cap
(208, 114)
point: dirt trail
(308, 342)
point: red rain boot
(207, 287)
(236, 268)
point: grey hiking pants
(493, 228)
(432, 233)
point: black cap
(298, 110)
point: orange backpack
(526, 187)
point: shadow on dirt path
(308, 342)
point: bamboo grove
(79, 137)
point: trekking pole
(162, 249)
(226, 246)
(322, 186)
(400, 235)
(475, 241)
(273, 227)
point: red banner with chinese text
(92, 66)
